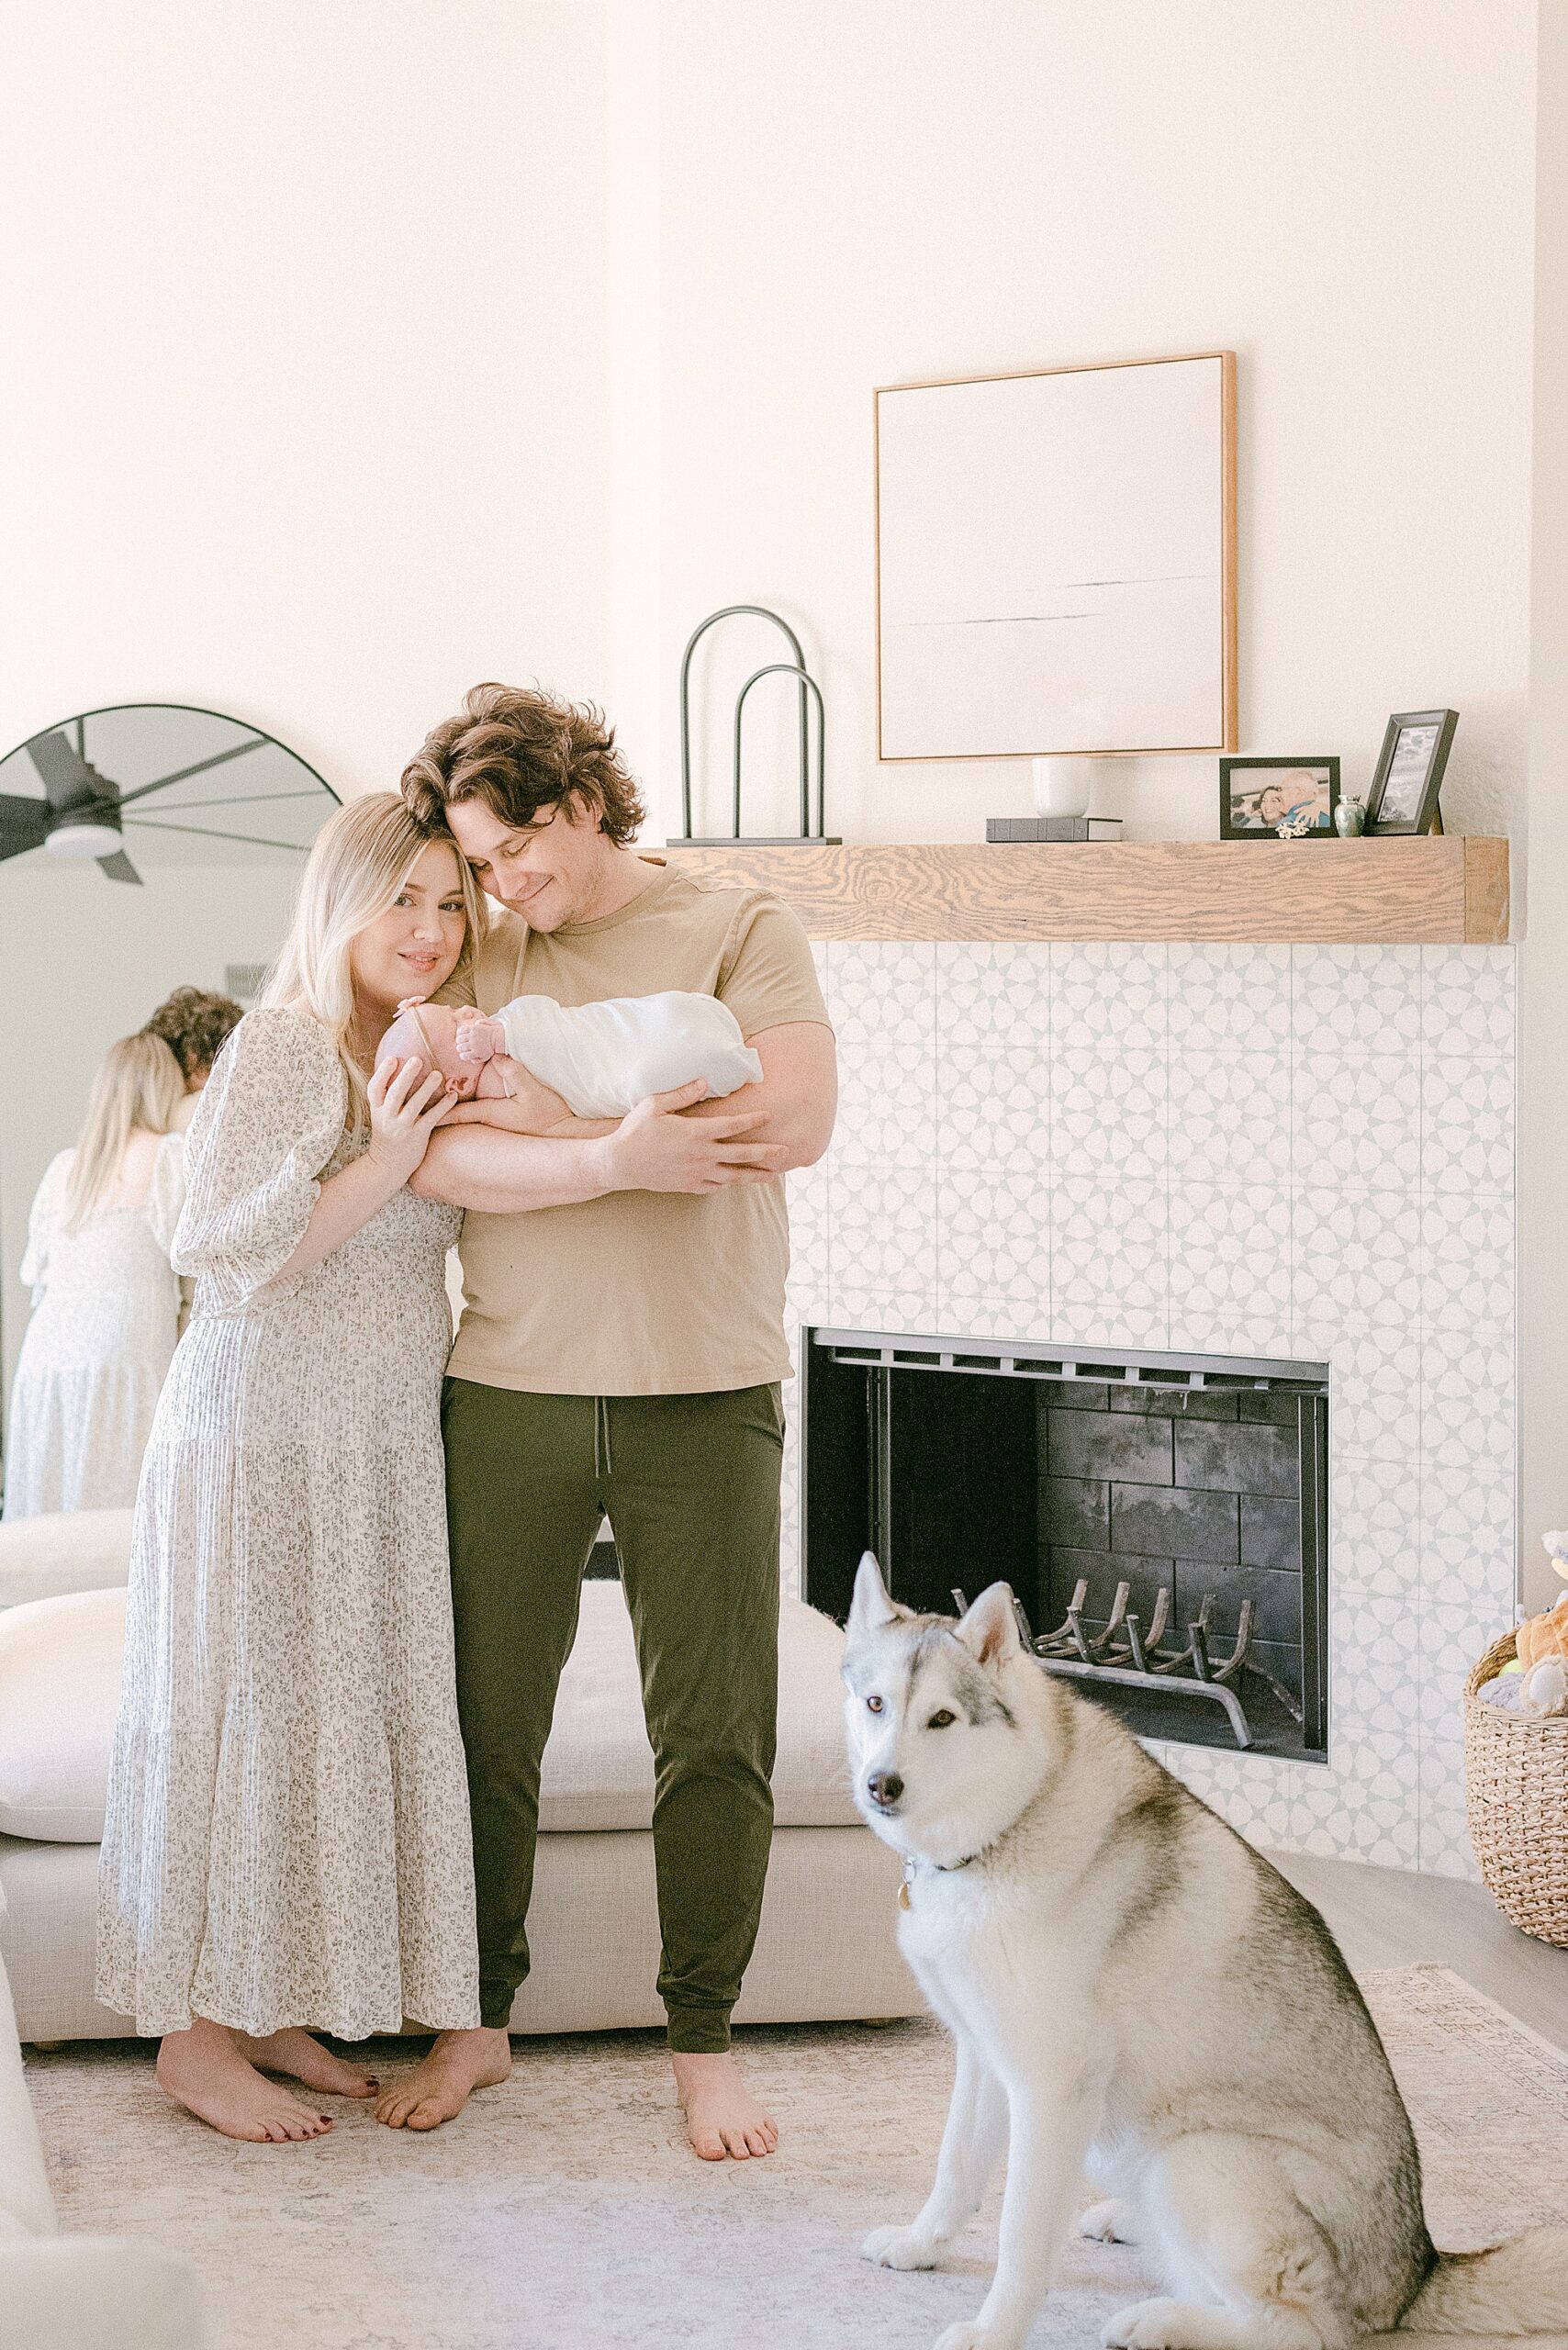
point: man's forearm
(802, 1128)
(800, 1131)
(506, 1174)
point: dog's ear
(989, 1630)
(873, 1608)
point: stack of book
(1053, 828)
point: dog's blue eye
(873, 1705)
(942, 1720)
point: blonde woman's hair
(362, 857)
(138, 1084)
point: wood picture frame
(1409, 773)
(1085, 511)
(1243, 783)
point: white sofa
(827, 1948)
(74, 2292)
(74, 1550)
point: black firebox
(1161, 1519)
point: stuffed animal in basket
(1539, 1637)
(1540, 1646)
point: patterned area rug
(565, 2213)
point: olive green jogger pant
(691, 1486)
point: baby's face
(427, 1032)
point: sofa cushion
(60, 1551)
(599, 1768)
(98, 2293)
(26, 2207)
(59, 1670)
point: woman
(105, 1298)
(287, 1841)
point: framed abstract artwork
(1056, 562)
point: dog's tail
(1517, 2288)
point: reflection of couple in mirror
(106, 1301)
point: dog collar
(948, 1869)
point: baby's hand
(480, 1040)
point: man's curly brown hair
(521, 752)
(194, 1023)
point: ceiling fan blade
(66, 775)
(119, 868)
(24, 824)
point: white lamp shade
(80, 842)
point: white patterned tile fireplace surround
(1301, 1152)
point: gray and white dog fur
(1060, 1882)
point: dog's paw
(973, 2337)
(1110, 2222)
(1160, 2326)
(900, 2248)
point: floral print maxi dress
(288, 1836)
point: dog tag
(903, 1893)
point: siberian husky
(1135, 1995)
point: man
(1296, 793)
(620, 1351)
(194, 1023)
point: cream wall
(304, 409)
(303, 419)
(873, 193)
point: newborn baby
(601, 1059)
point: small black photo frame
(1258, 797)
(1409, 772)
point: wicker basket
(1516, 1782)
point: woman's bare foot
(456, 2064)
(304, 2059)
(722, 2115)
(204, 2070)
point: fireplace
(1163, 1518)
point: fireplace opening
(1161, 1519)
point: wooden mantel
(1443, 890)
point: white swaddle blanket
(603, 1058)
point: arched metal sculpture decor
(796, 669)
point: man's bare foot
(722, 2115)
(456, 2064)
(204, 2070)
(304, 2059)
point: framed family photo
(1409, 771)
(1263, 800)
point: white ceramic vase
(1063, 787)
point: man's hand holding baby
(527, 1107)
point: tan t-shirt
(641, 1293)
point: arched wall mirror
(144, 847)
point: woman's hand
(406, 1106)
